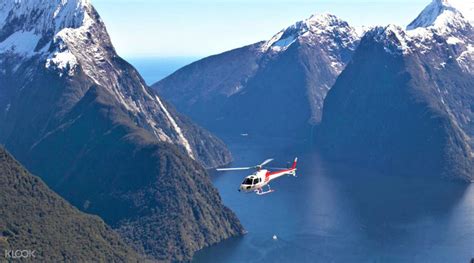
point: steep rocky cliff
(80, 117)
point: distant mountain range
(399, 100)
(275, 87)
(76, 114)
(34, 218)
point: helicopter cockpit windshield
(251, 181)
(247, 181)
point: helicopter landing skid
(261, 192)
(265, 192)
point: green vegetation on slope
(32, 217)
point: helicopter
(261, 177)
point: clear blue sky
(197, 28)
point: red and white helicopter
(262, 177)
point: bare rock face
(275, 87)
(76, 114)
(405, 102)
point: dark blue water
(333, 213)
(154, 69)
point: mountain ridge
(82, 118)
(315, 50)
(403, 104)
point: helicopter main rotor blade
(234, 169)
(265, 162)
(276, 168)
(245, 168)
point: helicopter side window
(255, 181)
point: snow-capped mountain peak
(317, 26)
(43, 16)
(448, 20)
(28, 27)
(444, 13)
(448, 43)
(69, 39)
(323, 20)
(466, 7)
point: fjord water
(334, 213)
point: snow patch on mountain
(361, 30)
(465, 60)
(444, 14)
(50, 15)
(450, 20)
(21, 42)
(283, 43)
(64, 61)
(41, 22)
(282, 40)
(466, 7)
(393, 38)
(453, 40)
(318, 27)
(440, 26)
(67, 38)
(423, 40)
